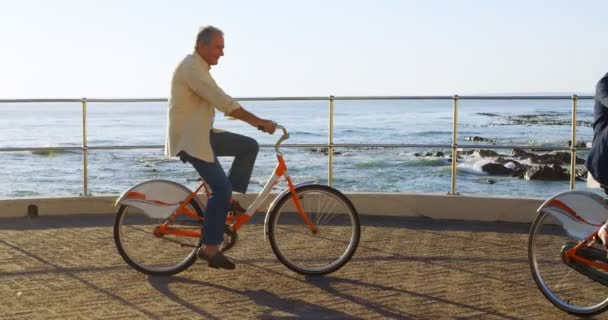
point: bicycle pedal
(230, 238)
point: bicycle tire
(137, 255)
(291, 240)
(563, 285)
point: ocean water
(506, 122)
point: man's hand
(267, 126)
(262, 124)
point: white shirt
(194, 98)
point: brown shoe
(217, 261)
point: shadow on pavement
(295, 308)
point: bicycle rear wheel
(331, 247)
(155, 255)
(565, 287)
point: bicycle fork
(281, 170)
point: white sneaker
(603, 234)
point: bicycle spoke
(137, 228)
(325, 212)
(559, 284)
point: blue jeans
(244, 150)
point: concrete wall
(385, 204)
(447, 207)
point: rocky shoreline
(521, 164)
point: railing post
(573, 145)
(454, 146)
(85, 149)
(330, 143)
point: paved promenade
(405, 268)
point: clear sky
(129, 48)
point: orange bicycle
(313, 229)
(569, 265)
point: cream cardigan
(194, 98)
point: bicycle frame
(581, 214)
(571, 254)
(237, 222)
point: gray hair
(205, 34)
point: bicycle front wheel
(155, 254)
(303, 251)
(567, 288)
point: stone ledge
(432, 206)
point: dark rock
(521, 154)
(560, 158)
(479, 139)
(517, 169)
(519, 172)
(546, 172)
(438, 154)
(489, 114)
(324, 151)
(580, 144)
(488, 181)
(496, 169)
(550, 118)
(504, 161)
(485, 153)
(501, 160)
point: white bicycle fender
(152, 209)
(580, 213)
(156, 198)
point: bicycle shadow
(423, 223)
(296, 308)
(326, 284)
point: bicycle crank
(230, 237)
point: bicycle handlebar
(284, 137)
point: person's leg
(218, 202)
(244, 150)
(603, 233)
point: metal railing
(454, 147)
